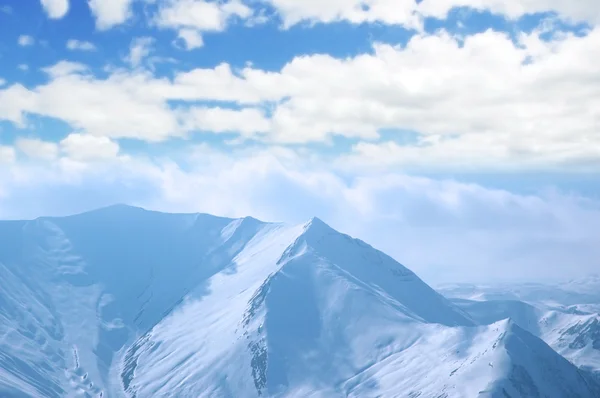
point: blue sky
(421, 127)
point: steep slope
(534, 369)
(579, 341)
(500, 360)
(78, 289)
(572, 333)
(123, 302)
(307, 306)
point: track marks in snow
(79, 380)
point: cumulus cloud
(80, 45)
(139, 49)
(127, 104)
(410, 13)
(392, 12)
(121, 106)
(192, 17)
(37, 149)
(55, 9)
(199, 14)
(110, 13)
(477, 233)
(481, 101)
(64, 68)
(84, 147)
(191, 38)
(14, 101)
(246, 122)
(75, 147)
(25, 40)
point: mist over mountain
(125, 302)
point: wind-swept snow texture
(123, 302)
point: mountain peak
(130, 302)
(315, 223)
(312, 233)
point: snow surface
(571, 330)
(124, 302)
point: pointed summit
(312, 235)
(316, 220)
(193, 305)
(316, 224)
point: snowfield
(124, 302)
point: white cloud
(7, 154)
(192, 17)
(127, 104)
(139, 49)
(2, 82)
(191, 38)
(221, 83)
(482, 102)
(575, 11)
(25, 41)
(199, 14)
(110, 13)
(83, 147)
(64, 68)
(396, 12)
(37, 149)
(444, 230)
(80, 45)
(246, 122)
(14, 102)
(23, 67)
(124, 105)
(473, 152)
(55, 9)
(479, 102)
(410, 13)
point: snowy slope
(501, 360)
(78, 289)
(307, 307)
(123, 302)
(575, 334)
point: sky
(462, 137)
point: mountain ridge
(126, 302)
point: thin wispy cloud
(25, 41)
(81, 45)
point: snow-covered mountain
(124, 302)
(573, 330)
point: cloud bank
(444, 230)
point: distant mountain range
(125, 302)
